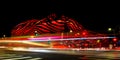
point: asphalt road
(81, 55)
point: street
(68, 55)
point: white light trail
(34, 39)
(84, 38)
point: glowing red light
(84, 33)
(86, 44)
(114, 39)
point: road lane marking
(35, 59)
(18, 58)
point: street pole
(4, 36)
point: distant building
(53, 24)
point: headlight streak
(25, 42)
(50, 39)
(84, 38)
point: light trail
(34, 39)
(55, 39)
(24, 42)
(50, 39)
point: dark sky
(95, 16)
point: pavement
(59, 54)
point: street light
(116, 30)
(71, 31)
(4, 36)
(114, 40)
(111, 30)
(68, 33)
(36, 33)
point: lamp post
(111, 30)
(4, 36)
(111, 33)
(71, 31)
(62, 34)
(115, 33)
(36, 33)
(68, 33)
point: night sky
(93, 16)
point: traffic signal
(84, 33)
(115, 39)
